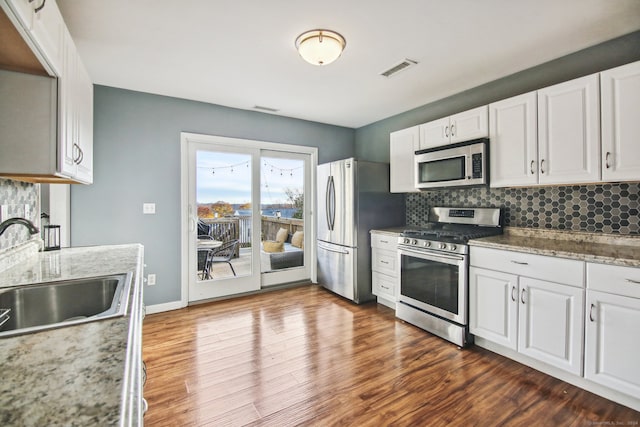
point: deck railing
(239, 227)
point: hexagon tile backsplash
(15, 195)
(601, 208)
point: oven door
(435, 283)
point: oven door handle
(431, 256)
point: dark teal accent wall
(137, 160)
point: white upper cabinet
(620, 123)
(402, 147)
(569, 132)
(514, 141)
(42, 20)
(465, 126)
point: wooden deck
(304, 356)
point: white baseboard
(167, 306)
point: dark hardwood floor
(304, 356)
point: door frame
(185, 220)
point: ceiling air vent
(406, 63)
(268, 109)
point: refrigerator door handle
(330, 249)
(327, 204)
(331, 208)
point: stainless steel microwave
(454, 165)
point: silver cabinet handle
(520, 262)
(633, 281)
(446, 131)
(541, 166)
(39, 8)
(606, 160)
(453, 130)
(513, 290)
(533, 162)
(522, 295)
(591, 312)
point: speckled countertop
(591, 247)
(77, 375)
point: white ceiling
(241, 53)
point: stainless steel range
(434, 269)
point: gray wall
(137, 160)
(372, 141)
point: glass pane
(430, 282)
(223, 195)
(282, 213)
(442, 170)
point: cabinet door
(468, 125)
(402, 147)
(48, 32)
(493, 306)
(620, 124)
(68, 153)
(514, 141)
(435, 133)
(551, 323)
(611, 344)
(569, 132)
(84, 113)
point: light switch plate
(148, 208)
(151, 279)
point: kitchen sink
(49, 305)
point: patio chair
(222, 254)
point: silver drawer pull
(384, 262)
(384, 241)
(633, 281)
(519, 262)
(384, 287)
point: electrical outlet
(151, 279)
(149, 208)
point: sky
(226, 177)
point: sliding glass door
(248, 213)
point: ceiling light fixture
(320, 47)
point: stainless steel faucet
(6, 224)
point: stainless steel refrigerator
(353, 198)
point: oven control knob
(453, 247)
(407, 241)
(443, 246)
(427, 244)
(414, 242)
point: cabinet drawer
(384, 241)
(384, 286)
(559, 270)
(384, 261)
(614, 279)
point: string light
(272, 168)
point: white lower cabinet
(612, 319)
(384, 268)
(550, 323)
(493, 306)
(540, 319)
